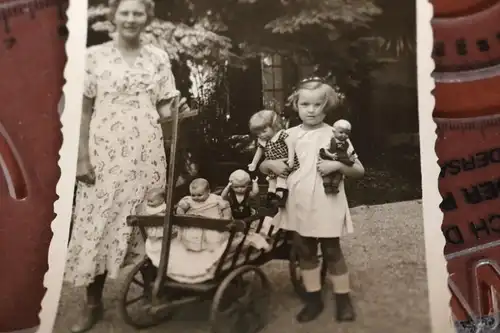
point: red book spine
(467, 114)
(32, 59)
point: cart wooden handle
(182, 116)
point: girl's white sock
(281, 182)
(340, 283)
(311, 279)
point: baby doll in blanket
(195, 252)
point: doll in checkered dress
(275, 144)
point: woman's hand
(183, 105)
(326, 167)
(85, 172)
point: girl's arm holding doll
(356, 170)
(290, 144)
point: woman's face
(130, 19)
(310, 105)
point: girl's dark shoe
(92, 313)
(344, 308)
(312, 309)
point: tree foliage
(342, 38)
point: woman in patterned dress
(128, 87)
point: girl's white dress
(309, 211)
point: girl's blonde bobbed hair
(331, 97)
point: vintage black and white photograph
(247, 166)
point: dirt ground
(387, 263)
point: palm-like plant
(396, 27)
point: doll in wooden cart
(238, 288)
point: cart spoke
(134, 300)
(138, 282)
(241, 303)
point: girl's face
(266, 134)
(130, 19)
(310, 105)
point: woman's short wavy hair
(149, 4)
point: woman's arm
(87, 109)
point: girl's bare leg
(339, 277)
(307, 249)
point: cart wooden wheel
(135, 297)
(295, 276)
(242, 302)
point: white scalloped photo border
(70, 118)
(439, 295)
(437, 274)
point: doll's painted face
(199, 193)
(341, 133)
(239, 187)
(266, 133)
(155, 198)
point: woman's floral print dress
(126, 149)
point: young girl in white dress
(314, 216)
